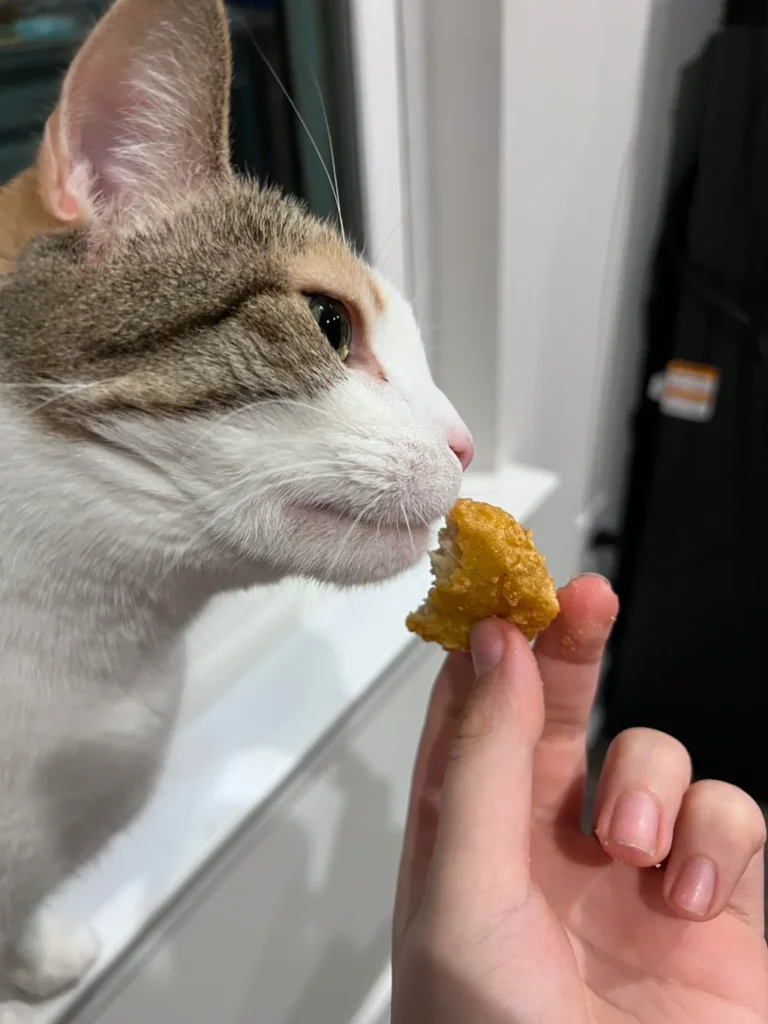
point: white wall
(588, 95)
(379, 110)
(452, 61)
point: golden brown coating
(485, 567)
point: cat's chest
(80, 645)
(67, 686)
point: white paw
(53, 957)
(10, 1016)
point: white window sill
(243, 742)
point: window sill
(233, 754)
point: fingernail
(695, 886)
(635, 822)
(592, 576)
(487, 641)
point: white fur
(52, 956)
(108, 550)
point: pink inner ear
(82, 133)
(101, 143)
(66, 205)
(142, 117)
(54, 171)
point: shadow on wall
(283, 931)
(292, 925)
(366, 848)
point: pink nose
(462, 447)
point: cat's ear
(143, 117)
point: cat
(202, 388)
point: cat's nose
(462, 446)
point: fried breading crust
(485, 567)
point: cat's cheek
(328, 549)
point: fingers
(570, 651)
(716, 856)
(710, 834)
(748, 898)
(483, 835)
(446, 706)
(490, 778)
(644, 779)
(569, 655)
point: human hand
(507, 913)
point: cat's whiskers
(287, 482)
(269, 484)
(389, 246)
(348, 536)
(408, 526)
(223, 514)
(330, 147)
(424, 522)
(61, 390)
(260, 403)
(303, 123)
(51, 385)
(261, 467)
(67, 392)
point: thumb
(484, 831)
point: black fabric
(691, 654)
(747, 12)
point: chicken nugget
(486, 566)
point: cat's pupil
(333, 320)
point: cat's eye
(333, 320)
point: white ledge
(229, 759)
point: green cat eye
(333, 320)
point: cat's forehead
(249, 238)
(276, 239)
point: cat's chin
(345, 550)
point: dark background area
(688, 654)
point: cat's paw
(51, 958)
(11, 1016)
